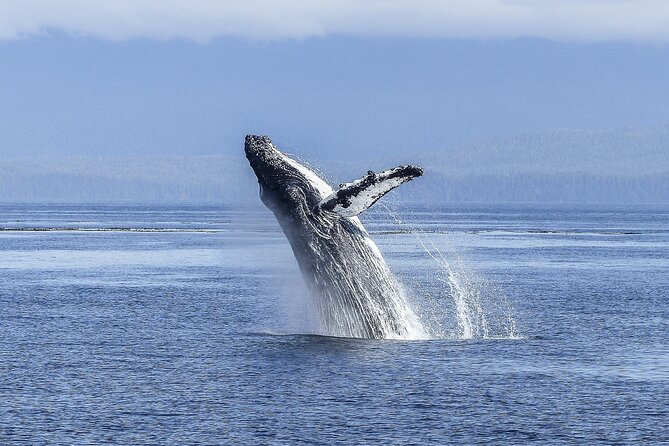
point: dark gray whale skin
(355, 292)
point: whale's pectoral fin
(353, 198)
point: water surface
(189, 325)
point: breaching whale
(354, 290)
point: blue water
(189, 325)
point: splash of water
(393, 319)
(480, 310)
(352, 292)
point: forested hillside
(561, 166)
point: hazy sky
(641, 20)
(340, 77)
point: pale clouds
(202, 20)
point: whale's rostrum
(354, 290)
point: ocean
(189, 324)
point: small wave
(314, 336)
(331, 337)
(317, 336)
(74, 229)
(515, 231)
(584, 232)
(395, 231)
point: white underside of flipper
(353, 198)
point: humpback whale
(354, 290)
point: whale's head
(286, 186)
